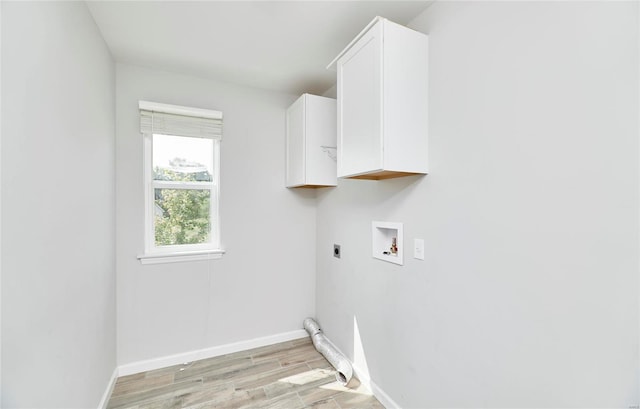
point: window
(182, 173)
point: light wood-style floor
(288, 375)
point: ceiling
(277, 45)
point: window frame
(212, 249)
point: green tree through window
(182, 216)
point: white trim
(179, 110)
(377, 391)
(170, 184)
(365, 380)
(107, 393)
(332, 64)
(149, 203)
(179, 256)
(0, 201)
(165, 361)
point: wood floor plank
(309, 353)
(270, 349)
(281, 353)
(241, 374)
(171, 370)
(213, 367)
(128, 378)
(318, 394)
(353, 396)
(321, 362)
(311, 379)
(288, 401)
(122, 388)
(152, 395)
(171, 403)
(210, 394)
(238, 399)
(324, 404)
(262, 379)
(348, 400)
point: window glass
(182, 211)
(182, 158)
(182, 216)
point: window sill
(181, 256)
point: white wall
(265, 283)
(528, 296)
(58, 207)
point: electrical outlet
(336, 250)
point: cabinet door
(295, 171)
(360, 105)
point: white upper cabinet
(311, 142)
(382, 103)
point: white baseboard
(365, 380)
(162, 362)
(107, 392)
(380, 394)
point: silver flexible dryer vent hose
(344, 371)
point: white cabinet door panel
(360, 107)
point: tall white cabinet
(311, 142)
(382, 103)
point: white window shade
(181, 121)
